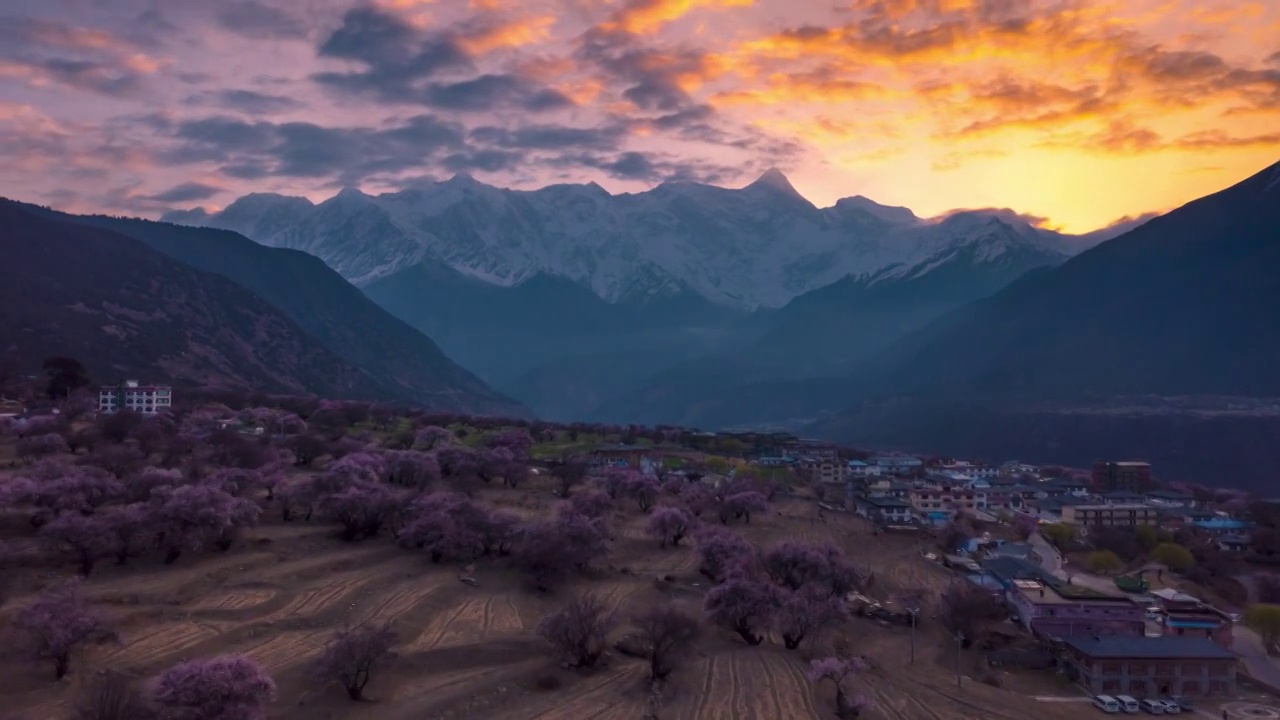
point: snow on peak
(752, 247)
(774, 178)
(891, 214)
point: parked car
(1171, 707)
(1106, 703)
(1155, 707)
(1128, 704)
(1183, 702)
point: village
(1037, 540)
(1065, 588)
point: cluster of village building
(1152, 644)
(1144, 644)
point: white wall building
(130, 395)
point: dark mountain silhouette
(331, 321)
(1148, 345)
(1187, 304)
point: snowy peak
(891, 214)
(773, 179)
(761, 245)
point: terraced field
(468, 651)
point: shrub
(353, 654)
(229, 687)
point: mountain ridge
(126, 310)
(406, 364)
(761, 245)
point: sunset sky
(1074, 111)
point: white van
(1155, 707)
(1106, 703)
(1128, 704)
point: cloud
(1219, 139)
(1122, 137)
(488, 92)
(642, 17)
(401, 61)
(45, 52)
(647, 167)
(655, 79)
(186, 192)
(927, 103)
(488, 35)
(1009, 66)
(393, 52)
(550, 137)
(258, 21)
(300, 149)
(249, 102)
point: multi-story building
(1065, 486)
(968, 469)
(1058, 610)
(1183, 615)
(131, 395)
(885, 510)
(1110, 515)
(1128, 475)
(883, 487)
(825, 470)
(897, 463)
(937, 500)
(812, 448)
(1170, 498)
(1149, 666)
(857, 468)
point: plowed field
(468, 651)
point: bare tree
(665, 631)
(579, 630)
(112, 696)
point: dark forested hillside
(402, 362)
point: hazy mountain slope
(1150, 345)
(407, 364)
(546, 327)
(124, 309)
(1188, 303)
(828, 333)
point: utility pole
(959, 644)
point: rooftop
(1166, 647)
(1171, 595)
(1117, 506)
(1060, 593)
(885, 502)
(1010, 568)
(1169, 494)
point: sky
(1074, 113)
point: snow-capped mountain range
(757, 246)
